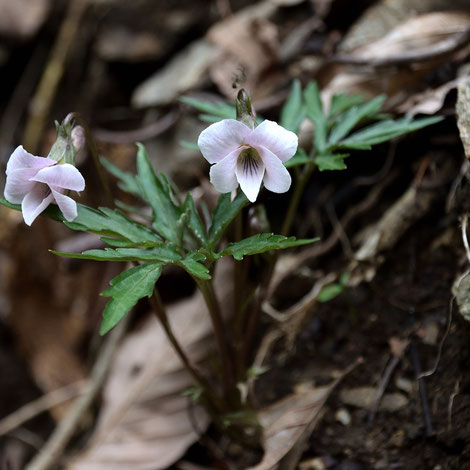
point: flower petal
(21, 159)
(276, 178)
(18, 184)
(250, 176)
(222, 138)
(279, 141)
(222, 174)
(35, 202)
(66, 204)
(64, 176)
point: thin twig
(451, 404)
(51, 452)
(138, 135)
(391, 366)
(441, 343)
(36, 407)
(435, 51)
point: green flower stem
(254, 319)
(302, 179)
(94, 153)
(160, 312)
(212, 303)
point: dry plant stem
(222, 345)
(94, 154)
(47, 88)
(42, 404)
(51, 452)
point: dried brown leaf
(421, 33)
(285, 422)
(363, 397)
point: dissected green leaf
(314, 111)
(194, 222)
(293, 111)
(156, 192)
(261, 243)
(193, 266)
(331, 161)
(127, 181)
(163, 253)
(126, 290)
(383, 131)
(300, 158)
(111, 223)
(353, 116)
(224, 213)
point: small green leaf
(126, 290)
(354, 116)
(383, 131)
(189, 145)
(330, 291)
(293, 111)
(314, 109)
(341, 103)
(111, 223)
(127, 181)
(195, 223)
(193, 266)
(215, 110)
(300, 158)
(261, 243)
(331, 161)
(165, 254)
(156, 192)
(224, 213)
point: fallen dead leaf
(363, 397)
(384, 15)
(288, 423)
(421, 33)
(145, 421)
(22, 18)
(190, 67)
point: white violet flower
(248, 156)
(35, 182)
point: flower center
(249, 159)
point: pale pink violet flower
(248, 156)
(35, 182)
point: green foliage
(112, 223)
(194, 222)
(127, 181)
(212, 111)
(293, 111)
(126, 290)
(332, 130)
(164, 254)
(157, 193)
(193, 266)
(300, 158)
(261, 243)
(334, 289)
(224, 213)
